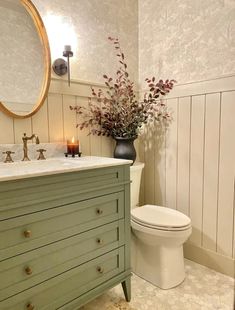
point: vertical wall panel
(7, 129)
(171, 154)
(210, 202)
(149, 175)
(69, 118)
(96, 149)
(226, 175)
(107, 146)
(196, 167)
(183, 154)
(96, 144)
(84, 137)
(142, 159)
(160, 165)
(40, 123)
(22, 126)
(55, 117)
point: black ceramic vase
(125, 148)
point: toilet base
(160, 265)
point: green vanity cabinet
(64, 238)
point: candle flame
(72, 139)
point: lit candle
(72, 147)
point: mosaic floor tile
(202, 289)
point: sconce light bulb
(67, 48)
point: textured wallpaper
(21, 55)
(86, 26)
(188, 40)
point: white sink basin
(26, 169)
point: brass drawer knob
(30, 306)
(28, 270)
(99, 241)
(100, 269)
(99, 211)
(27, 233)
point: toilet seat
(160, 218)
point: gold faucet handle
(41, 155)
(8, 157)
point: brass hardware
(8, 157)
(27, 233)
(100, 269)
(99, 211)
(99, 241)
(30, 306)
(25, 146)
(41, 155)
(28, 270)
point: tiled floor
(203, 289)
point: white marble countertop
(21, 170)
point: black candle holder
(73, 154)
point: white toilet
(158, 234)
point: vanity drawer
(60, 290)
(26, 196)
(21, 272)
(25, 233)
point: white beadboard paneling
(40, 123)
(171, 154)
(136, 145)
(69, 117)
(211, 158)
(96, 149)
(84, 137)
(107, 146)
(81, 88)
(22, 126)
(160, 164)
(142, 159)
(7, 134)
(183, 154)
(55, 117)
(196, 167)
(220, 84)
(149, 175)
(226, 175)
(96, 143)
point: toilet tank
(135, 176)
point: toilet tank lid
(160, 216)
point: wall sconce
(60, 66)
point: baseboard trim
(216, 261)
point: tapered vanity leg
(126, 286)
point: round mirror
(24, 58)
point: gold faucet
(25, 146)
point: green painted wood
(65, 287)
(95, 292)
(127, 216)
(59, 209)
(48, 261)
(19, 209)
(27, 191)
(126, 285)
(80, 177)
(45, 225)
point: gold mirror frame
(33, 12)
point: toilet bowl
(158, 235)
